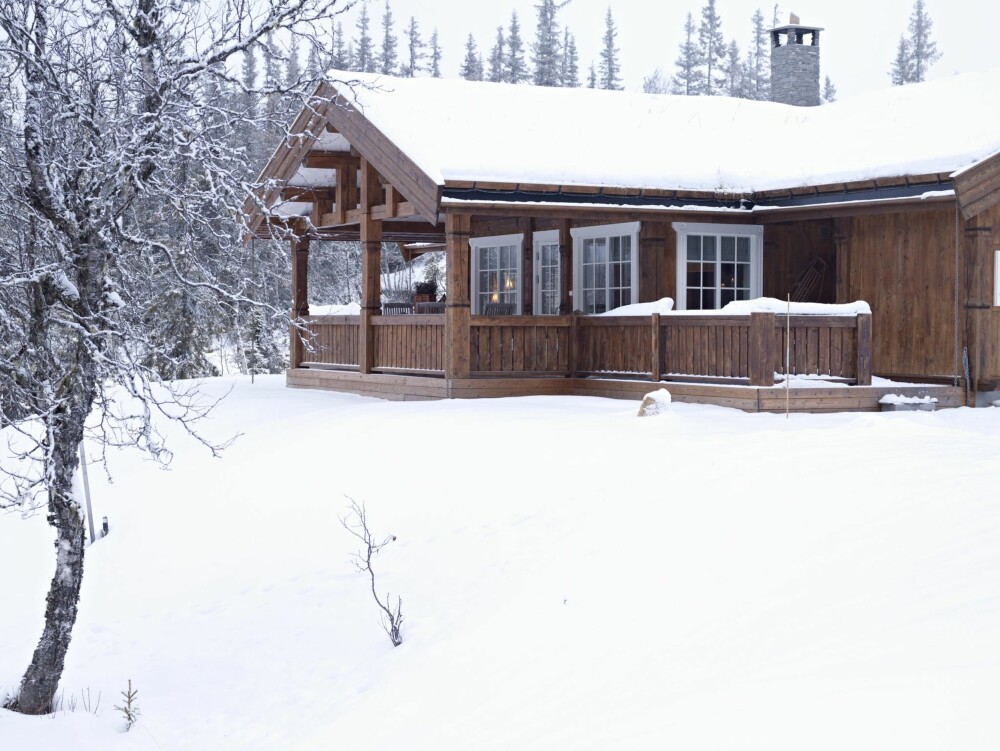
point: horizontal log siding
(409, 344)
(520, 344)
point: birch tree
(112, 133)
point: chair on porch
(397, 308)
(499, 309)
(429, 307)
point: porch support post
(842, 249)
(300, 295)
(762, 355)
(864, 349)
(528, 266)
(565, 267)
(457, 309)
(976, 286)
(371, 263)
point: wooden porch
(724, 360)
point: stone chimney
(795, 64)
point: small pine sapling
(355, 521)
(129, 707)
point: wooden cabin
(556, 206)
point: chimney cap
(796, 27)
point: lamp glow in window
(496, 270)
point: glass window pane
(626, 248)
(727, 296)
(694, 299)
(743, 276)
(600, 276)
(743, 249)
(728, 249)
(601, 249)
(694, 247)
(708, 247)
(708, 299)
(728, 278)
(708, 275)
(694, 275)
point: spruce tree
(293, 66)
(517, 68)
(922, 48)
(435, 55)
(734, 72)
(272, 79)
(592, 77)
(316, 61)
(902, 67)
(688, 77)
(713, 49)
(339, 56)
(498, 62)
(249, 81)
(758, 66)
(364, 50)
(570, 69)
(609, 70)
(472, 65)
(545, 50)
(389, 58)
(414, 50)
(829, 91)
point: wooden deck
(746, 398)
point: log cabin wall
(789, 249)
(903, 265)
(980, 242)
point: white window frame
(478, 243)
(579, 234)
(753, 231)
(996, 278)
(544, 237)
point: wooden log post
(371, 266)
(977, 289)
(761, 349)
(574, 343)
(457, 310)
(657, 360)
(565, 267)
(300, 297)
(864, 369)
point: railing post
(761, 345)
(300, 295)
(864, 349)
(574, 342)
(657, 361)
(458, 345)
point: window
(996, 277)
(496, 271)
(606, 267)
(547, 268)
(717, 263)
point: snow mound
(773, 305)
(901, 399)
(655, 403)
(664, 305)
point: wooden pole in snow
(788, 356)
(86, 493)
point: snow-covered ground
(573, 577)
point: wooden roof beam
(331, 160)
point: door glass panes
(548, 279)
(498, 277)
(718, 271)
(607, 273)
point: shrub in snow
(129, 707)
(655, 403)
(356, 522)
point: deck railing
(409, 344)
(724, 349)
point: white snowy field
(573, 577)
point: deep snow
(573, 577)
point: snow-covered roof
(457, 130)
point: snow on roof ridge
(676, 142)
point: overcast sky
(858, 44)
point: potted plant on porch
(425, 291)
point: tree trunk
(40, 681)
